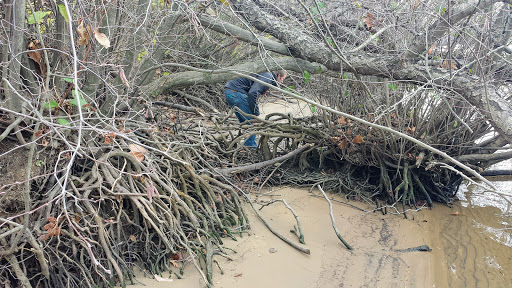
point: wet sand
(374, 262)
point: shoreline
(264, 260)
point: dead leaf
(177, 257)
(431, 48)
(174, 263)
(35, 55)
(83, 33)
(416, 4)
(101, 38)
(446, 65)
(358, 139)
(132, 238)
(411, 129)
(162, 279)
(123, 77)
(109, 137)
(342, 144)
(457, 214)
(51, 228)
(369, 20)
(238, 275)
(256, 180)
(342, 120)
(137, 151)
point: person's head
(281, 75)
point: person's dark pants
(239, 100)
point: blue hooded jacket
(253, 89)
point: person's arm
(256, 90)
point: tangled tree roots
(164, 200)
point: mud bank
(374, 262)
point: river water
(476, 238)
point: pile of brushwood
(159, 194)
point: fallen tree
(113, 180)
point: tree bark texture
(205, 77)
(478, 93)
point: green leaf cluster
(51, 104)
(76, 96)
(392, 86)
(307, 77)
(63, 12)
(38, 17)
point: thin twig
(333, 222)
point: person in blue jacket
(243, 93)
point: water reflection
(476, 196)
(477, 242)
(501, 235)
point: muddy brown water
(476, 244)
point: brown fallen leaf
(177, 257)
(369, 20)
(358, 139)
(109, 137)
(342, 120)
(132, 238)
(101, 38)
(123, 77)
(431, 48)
(447, 64)
(238, 275)
(457, 214)
(342, 144)
(137, 151)
(83, 33)
(35, 55)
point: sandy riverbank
(374, 262)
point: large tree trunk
(206, 77)
(481, 94)
(15, 29)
